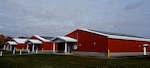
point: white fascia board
(12, 43)
(93, 32)
(44, 40)
(35, 41)
(67, 39)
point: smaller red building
(46, 44)
(16, 44)
(23, 44)
(10, 45)
(33, 45)
(96, 43)
(20, 43)
(63, 44)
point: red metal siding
(89, 41)
(46, 46)
(73, 34)
(56, 46)
(116, 45)
(21, 46)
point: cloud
(134, 4)
(55, 17)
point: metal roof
(118, 34)
(63, 39)
(11, 43)
(20, 40)
(34, 41)
(47, 37)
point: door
(61, 47)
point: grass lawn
(56, 61)
(5, 53)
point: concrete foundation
(116, 54)
(104, 54)
(96, 54)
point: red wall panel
(33, 37)
(73, 34)
(21, 46)
(46, 46)
(89, 42)
(116, 45)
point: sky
(60, 17)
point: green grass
(5, 53)
(56, 61)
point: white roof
(35, 41)
(42, 39)
(20, 40)
(145, 45)
(116, 36)
(66, 39)
(11, 42)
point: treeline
(4, 39)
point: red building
(46, 44)
(10, 45)
(23, 44)
(16, 43)
(20, 43)
(95, 43)
(57, 44)
(63, 44)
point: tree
(24, 37)
(8, 38)
(2, 40)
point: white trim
(145, 45)
(27, 47)
(116, 36)
(33, 46)
(10, 47)
(7, 47)
(53, 47)
(65, 47)
(1, 53)
(144, 49)
(12, 43)
(93, 31)
(20, 52)
(66, 39)
(4, 47)
(36, 51)
(14, 51)
(34, 41)
(42, 39)
(19, 40)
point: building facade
(46, 44)
(95, 43)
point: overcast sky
(59, 17)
